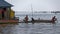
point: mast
(32, 10)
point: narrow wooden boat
(40, 21)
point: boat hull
(8, 21)
(39, 21)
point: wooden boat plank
(38, 21)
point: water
(37, 28)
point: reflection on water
(7, 29)
(37, 28)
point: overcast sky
(37, 5)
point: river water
(37, 28)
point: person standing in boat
(26, 19)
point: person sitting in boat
(54, 19)
(32, 19)
(26, 19)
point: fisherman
(26, 19)
(32, 20)
(54, 19)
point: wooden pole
(32, 10)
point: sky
(37, 5)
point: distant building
(55, 11)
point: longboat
(40, 21)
